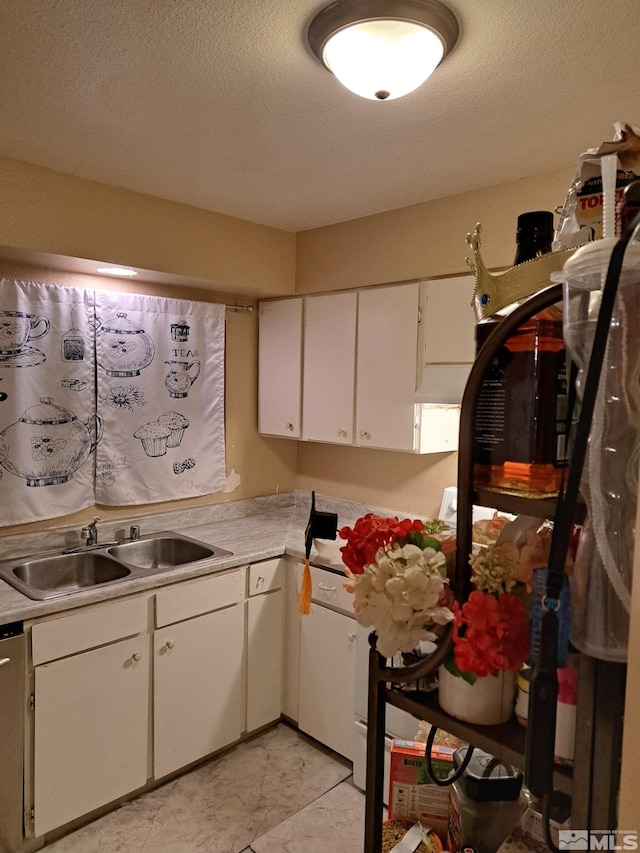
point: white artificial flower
(399, 596)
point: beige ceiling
(220, 104)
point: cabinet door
(327, 678)
(264, 659)
(447, 340)
(279, 367)
(329, 367)
(386, 367)
(449, 322)
(197, 688)
(91, 731)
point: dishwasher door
(12, 712)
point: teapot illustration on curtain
(48, 444)
(180, 377)
(123, 347)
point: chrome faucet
(90, 532)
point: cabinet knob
(289, 426)
(259, 581)
(365, 434)
(170, 644)
(351, 637)
(136, 656)
(342, 432)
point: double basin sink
(47, 576)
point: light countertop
(253, 530)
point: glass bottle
(520, 426)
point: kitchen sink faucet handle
(90, 531)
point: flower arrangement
(491, 630)
(396, 571)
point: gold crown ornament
(495, 290)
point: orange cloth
(304, 602)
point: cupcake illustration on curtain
(154, 437)
(177, 424)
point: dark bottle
(534, 235)
(628, 207)
(520, 425)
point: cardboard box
(412, 795)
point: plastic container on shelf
(601, 578)
(486, 802)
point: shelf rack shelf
(505, 741)
(593, 781)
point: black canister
(486, 802)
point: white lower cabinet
(129, 691)
(197, 687)
(264, 643)
(327, 670)
(90, 730)
(95, 709)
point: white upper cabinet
(280, 367)
(382, 367)
(329, 367)
(386, 367)
(447, 338)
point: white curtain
(107, 398)
(160, 397)
(48, 428)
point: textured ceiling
(220, 104)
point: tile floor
(277, 793)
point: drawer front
(88, 628)
(327, 588)
(265, 576)
(193, 598)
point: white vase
(487, 702)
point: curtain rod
(246, 308)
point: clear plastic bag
(601, 578)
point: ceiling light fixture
(125, 272)
(383, 49)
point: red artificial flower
(370, 533)
(490, 633)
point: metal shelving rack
(594, 779)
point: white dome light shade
(383, 49)
(383, 60)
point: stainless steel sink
(44, 576)
(61, 574)
(164, 551)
